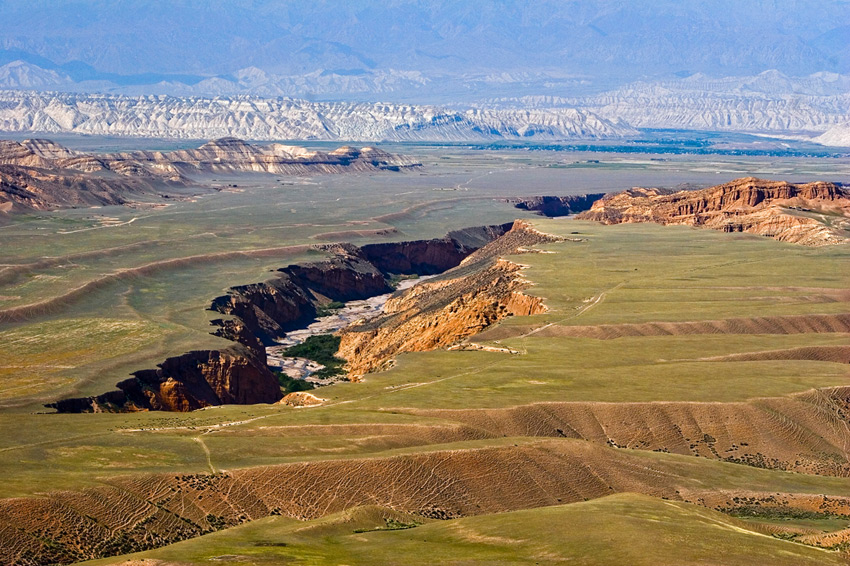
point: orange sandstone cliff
(442, 311)
(812, 214)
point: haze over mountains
(135, 42)
(765, 65)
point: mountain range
(145, 41)
(814, 108)
(284, 118)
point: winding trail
(203, 444)
(592, 303)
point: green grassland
(158, 268)
(627, 529)
(613, 275)
(733, 277)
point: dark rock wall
(263, 312)
(558, 206)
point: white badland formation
(283, 118)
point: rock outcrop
(557, 206)
(202, 378)
(440, 312)
(812, 214)
(260, 313)
(301, 399)
(41, 174)
(26, 188)
(226, 155)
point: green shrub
(329, 309)
(321, 349)
(291, 384)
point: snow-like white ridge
(767, 102)
(285, 118)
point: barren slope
(143, 512)
(437, 313)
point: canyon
(262, 313)
(475, 287)
(442, 311)
(463, 429)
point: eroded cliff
(440, 312)
(41, 174)
(260, 313)
(812, 214)
(552, 206)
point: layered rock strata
(442, 311)
(25, 188)
(260, 313)
(812, 214)
(41, 174)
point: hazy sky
(614, 38)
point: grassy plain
(150, 280)
(157, 269)
(627, 529)
(682, 274)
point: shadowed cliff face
(260, 313)
(272, 308)
(557, 206)
(776, 209)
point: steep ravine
(260, 313)
(444, 310)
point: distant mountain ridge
(283, 118)
(769, 102)
(814, 107)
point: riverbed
(353, 311)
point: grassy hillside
(704, 371)
(619, 529)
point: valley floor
(683, 399)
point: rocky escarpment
(201, 378)
(191, 381)
(812, 214)
(40, 174)
(440, 312)
(226, 155)
(262, 312)
(557, 206)
(25, 188)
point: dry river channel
(353, 311)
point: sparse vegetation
(390, 525)
(291, 384)
(396, 279)
(329, 308)
(620, 529)
(321, 349)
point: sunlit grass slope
(620, 529)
